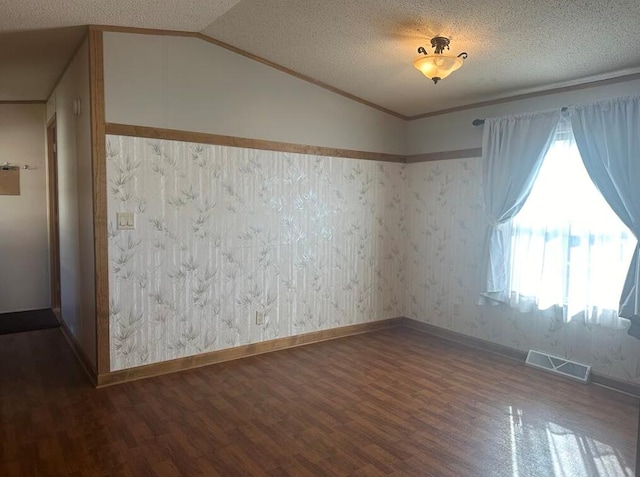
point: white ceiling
(366, 47)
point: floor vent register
(560, 366)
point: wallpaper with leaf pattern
(313, 243)
(447, 227)
(222, 233)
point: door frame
(54, 231)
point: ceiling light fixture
(438, 65)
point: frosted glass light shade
(437, 66)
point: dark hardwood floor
(386, 403)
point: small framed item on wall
(9, 180)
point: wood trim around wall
(596, 378)
(99, 172)
(143, 31)
(218, 140)
(220, 356)
(534, 94)
(197, 361)
(480, 104)
(246, 54)
(444, 155)
(466, 340)
(302, 77)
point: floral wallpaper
(446, 232)
(311, 243)
(223, 233)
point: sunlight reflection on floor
(550, 449)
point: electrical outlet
(259, 317)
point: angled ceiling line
(532, 94)
(251, 56)
(308, 79)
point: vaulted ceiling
(363, 47)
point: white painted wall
(192, 85)
(76, 202)
(454, 131)
(24, 243)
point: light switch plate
(125, 220)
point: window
(569, 251)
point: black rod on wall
(480, 122)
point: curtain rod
(480, 122)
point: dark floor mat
(20, 321)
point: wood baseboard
(464, 339)
(596, 378)
(197, 361)
(77, 350)
(616, 384)
(190, 362)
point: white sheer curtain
(570, 252)
(608, 136)
(512, 151)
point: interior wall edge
(66, 67)
(99, 173)
(238, 352)
(233, 141)
(75, 346)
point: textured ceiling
(185, 15)
(363, 47)
(367, 47)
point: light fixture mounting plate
(440, 43)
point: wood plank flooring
(392, 402)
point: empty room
(319, 238)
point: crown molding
(308, 79)
(534, 94)
(246, 54)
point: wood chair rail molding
(444, 155)
(218, 140)
(234, 141)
